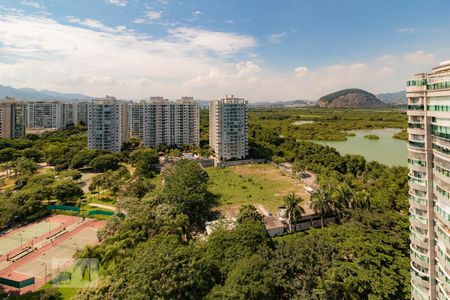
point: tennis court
(26, 236)
(55, 256)
(58, 256)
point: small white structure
(309, 189)
(282, 214)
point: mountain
(32, 94)
(351, 98)
(393, 98)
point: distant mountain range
(351, 98)
(393, 98)
(34, 95)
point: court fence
(63, 207)
(17, 284)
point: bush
(105, 162)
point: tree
(144, 160)
(72, 173)
(67, 190)
(186, 189)
(105, 162)
(8, 154)
(361, 199)
(249, 213)
(161, 268)
(32, 153)
(84, 157)
(294, 209)
(24, 166)
(320, 203)
(139, 188)
(250, 278)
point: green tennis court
(24, 235)
(59, 256)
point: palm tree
(341, 199)
(320, 203)
(332, 288)
(294, 209)
(361, 199)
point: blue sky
(260, 50)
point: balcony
(419, 203)
(417, 145)
(418, 221)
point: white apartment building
(45, 114)
(228, 128)
(429, 182)
(12, 118)
(107, 124)
(81, 112)
(75, 113)
(136, 119)
(171, 123)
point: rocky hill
(351, 98)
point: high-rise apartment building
(107, 124)
(171, 123)
(136, 119)
(228, 128)
(12, 118)
(429, 182)
(81, 112)
(45, 114)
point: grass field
(253, 184)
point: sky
(261, 50)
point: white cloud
(30, 3)
(117, 2)
(153, 15)
(229, 21)
(406, 30)
(139, 21)
(420, 57)
(277, 37)
(218, 42)
(197, 13)
(90, 57)
(300, 71)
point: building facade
(429, 182)
(45, 114)
(107, 124)
(171, 123)
(228, 128)
(81, 112)
(136, 119)
(12, 118)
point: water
(386, 150)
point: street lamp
(45, 272)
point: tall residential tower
(12, 118)
(45, 114)
(228, 128)
(429, 182)
(107, 124)
(171, 123)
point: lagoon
(386, 150)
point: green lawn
(253, 184)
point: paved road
(102, 206)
